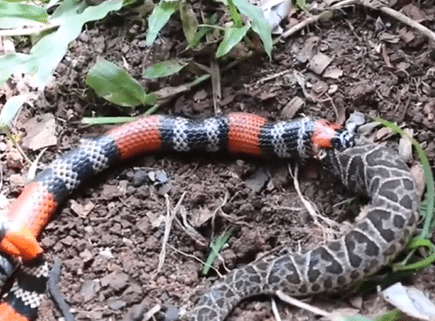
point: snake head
(327, 135)
(18, 241)
(343, 139)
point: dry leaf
(417, 173)
(292, 107)
(411, 301)
(41, 132)
(275, 11)
(80, 209)
(333, 73)
(405, 146)
(319, 62)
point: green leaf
(188, 21)
(10, 109)
(115, 85)
(49, 51)
(259, 24)
(231, 38)
(235, 16)
(66, 9)
(301, 4)
(13, 15)
(15, 62)
(158, 18)
(165, 68)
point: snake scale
(377, 237)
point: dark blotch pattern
(355, 238)
(406, 202)
(379, 219)
(281, 267)
(398, 221)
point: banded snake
(377, 237)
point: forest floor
(109, 234)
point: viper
(377, 237)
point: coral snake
(237, 133)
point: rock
(89, 289)
(115, 303)
(117, 281)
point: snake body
(389, 220)
(371, 169)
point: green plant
(54, 32)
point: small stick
(170, 214)
(376, 5)
(298, 303)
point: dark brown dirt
(110, 255)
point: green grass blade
(106, 120)
(202, 31)
(390, 316)
(429, 223)
(414, 244)
(216, 247)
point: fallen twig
(312, 210)
(147, 316)
(170, 214)
(323, 15)
(196, 259)
(376, 5)
(298, 303)
(275, 310)
(372, 4)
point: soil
(110, 254)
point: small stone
(68, 240)
(14, 160)
(172, 312)
(144, 225)
(115, 304)
(140, 178)
(356, 302)
(117, 281)
(258, 180)
(89, 289)
(17, 182)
